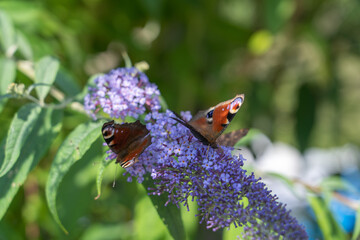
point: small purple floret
(122, 92)
(184, 169)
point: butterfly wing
(130, 155)
(211, 123)
(196, 134)
(231, 138)
(127, 140)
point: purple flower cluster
(185, 169)
(226, 194)
(122, 92)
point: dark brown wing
(129, 156)
(120, 136)
(231, 138)
(127, 140)
(196, 134)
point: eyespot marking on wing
(108, 132)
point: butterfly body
(208, 125)
(127, 140)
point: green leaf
(356, 232)
(329, 227)
(45, 73)
(108, 231)
(305, 114)
(163, 103)
(90, 83)
(148, 223)
(334, 183)
(232, 233)
(100, 174)
(188, 216)
(7, 31)
(39, 140)
(72, 149)
(7, 76)
(66, 83)
(20, 128)
(24, 46)
(286, 180)
(170, 214)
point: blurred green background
(298, 63)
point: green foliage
(45, 128)
(20, 129)
(72, 149)
(8, 36)
(297, 63)
(170, 215)
(356, 233)
(100, 175)
(329, 227)
(7, 76)
(45, 73)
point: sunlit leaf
(335, 183)
(232, 233)
(45, 73)
(78, 183)
(7, 73)
(72, 149)
(329, 227)
(148, 223)
(7, 31)
(191, 222)
(111, 231)
(24, 46)
(356, 233)
(21, 126)
(7, 76)
(99, 178)
(43, 133)
(170, 214)
(286, 180)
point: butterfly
(127, 140)
(208, 125)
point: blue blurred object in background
(343, 214)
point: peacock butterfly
(127, 140)
(208, 125)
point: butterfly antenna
(115, 175)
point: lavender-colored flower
(226, 194)
(185, 169)
(122, 92)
